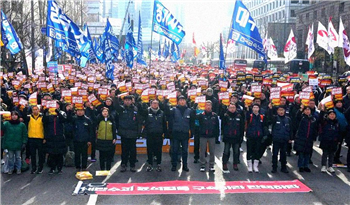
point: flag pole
(228, 36)
(150, 50)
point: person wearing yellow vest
(35, 138)
(106, 138)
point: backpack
(69, 159)
(251, 119)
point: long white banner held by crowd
(193, 187)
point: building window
(284, 14)
(306, 2)
(341, 7)
(307, 17)
(295, 1)
(292, 13)
(315, 14)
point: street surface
(57, 189)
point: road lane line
(92, 199)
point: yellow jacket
(36, 127)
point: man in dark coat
(54, 138)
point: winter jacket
(329, 133)
(256, 126)
(106, 133)
(130, 123)
(232, 127)
(155, 123)
(82, 129)
(281, 129)
(54, 132)
(208, 125)
(181, 122)
(306, 134)
(15, 135)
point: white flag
(345, 40)
(310, 41)
(272, 54)
(290, 50)
(332, 35)
(266, 43)
(322, 38)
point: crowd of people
(45, 123)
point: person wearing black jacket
(329, 134)
(256, 131)
(155, 128)
(215, 106)
(181, 124)
(306, 134)
(232, 128)
(208, 131)
(129, 129)
(54, 138)
(83, 134)
(90, 112)
(281, 135)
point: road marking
(92, 199)
(218, 163)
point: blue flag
(159, 51)
(108, 52)
(221, 57)
(174, 52)
(139, 44)
(129, 46)
(244, 30)
(166, 49)
(99, 49)
(61, 28)
(165, 23)
(91, 51)
(9, 35)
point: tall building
(275, 16)
(321, 12)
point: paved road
(57, 189)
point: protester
(35, 138)
(343, 124)
(306, 134)
(329, 134)
(83, 134)
(208, 132)
(14, 139)
(232, 126)
(181, 124)
(106, 138)
(281, 135)
(129, 129)
(54, 139)
(155, 127)
(256, 130)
